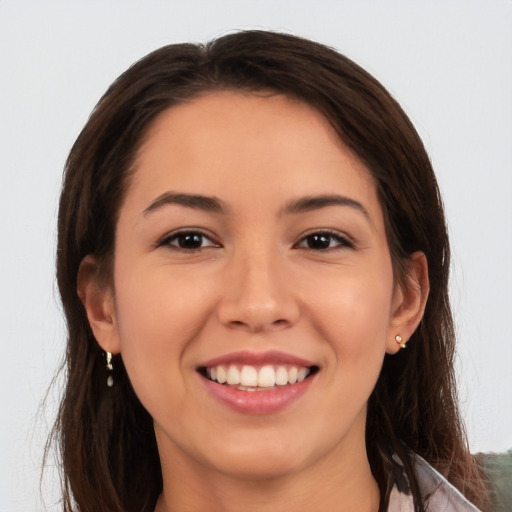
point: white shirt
(444, 497)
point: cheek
(352, 316)
(354, 312)
(157, 319)
(157, 308)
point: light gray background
(448, 63)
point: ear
(98, 301)
(409, 301)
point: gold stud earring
(400, 341)
(110, 369)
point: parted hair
(105, 436)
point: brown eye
(189, 240)
(323, 241)
(320, 241)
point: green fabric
(498, 468)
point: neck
(340, 481)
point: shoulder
(443, 495)
(439, 494)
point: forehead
(226, 143)
(227, 118)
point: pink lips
(258, 359)
(266, 401)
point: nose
(258, 295)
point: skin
(256, 283)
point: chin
(259, 461)
(272, 468)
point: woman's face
(251, 248)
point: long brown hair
(106, 437)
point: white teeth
(221, 375)
(281, 376)
(249, 378)
(302, 374)
(266, 377)
(233, 376)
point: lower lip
(258, 402)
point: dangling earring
(110, 369)
(400, 341)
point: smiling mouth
(257, 378)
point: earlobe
(98, 302)
(409, 301)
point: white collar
(443, 496)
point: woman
(262, 321)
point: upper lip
(257, 359)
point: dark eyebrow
(309, 203)
(199, 202)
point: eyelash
(181, 235)
(342, 241)
(322, 237)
